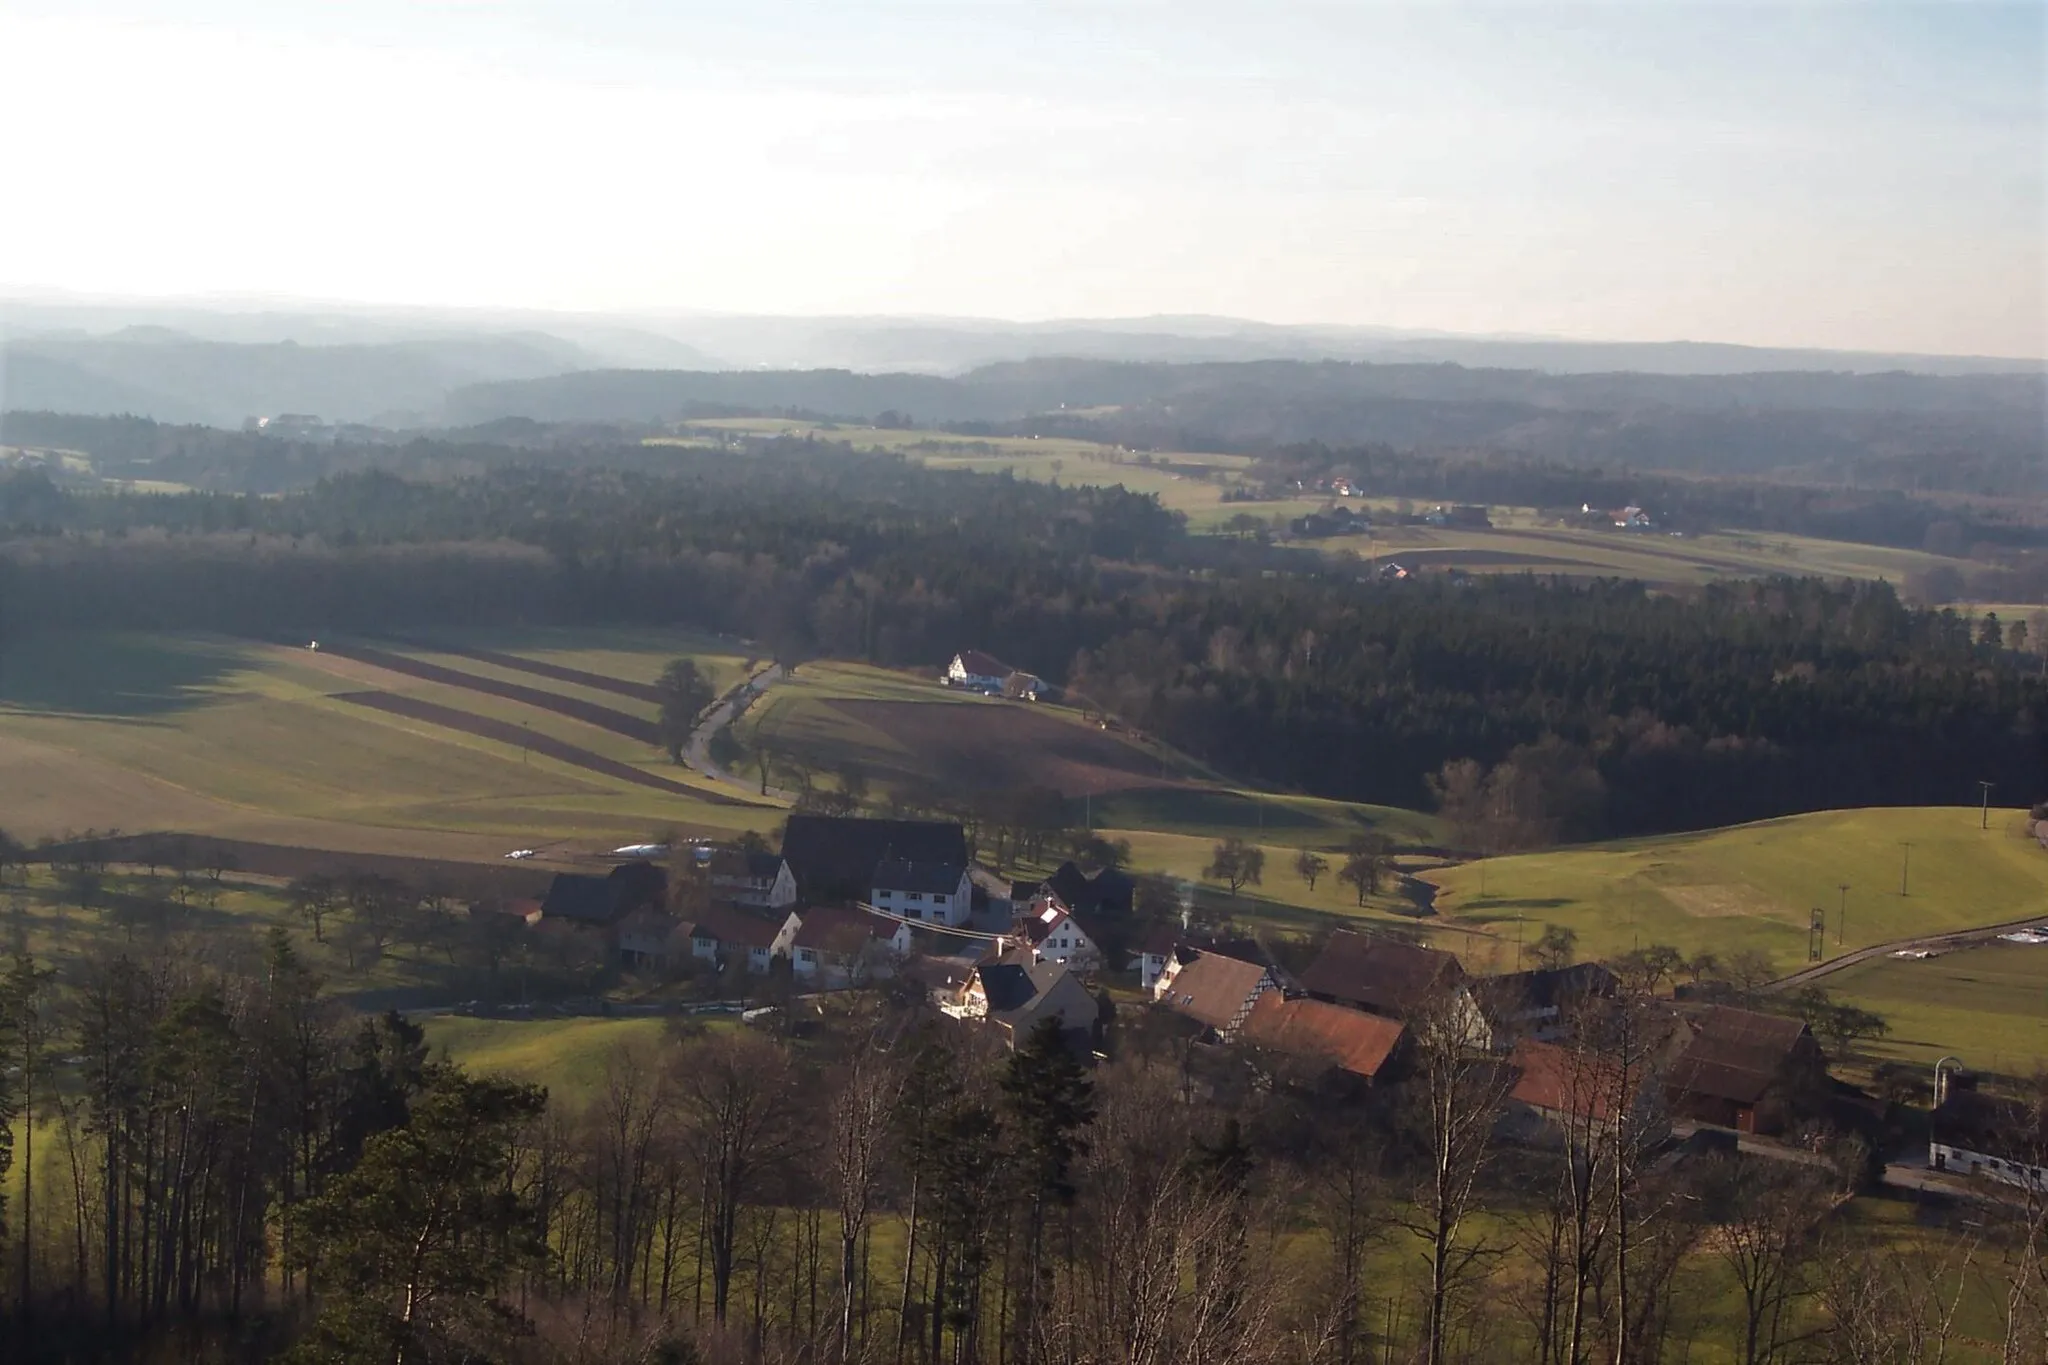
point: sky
(1848, 175)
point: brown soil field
(1010, 745)
(504, 732)
(47, 791)
(603, 717)
(642, 692)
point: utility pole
(1906, 865)
(1842, 916)
(1984, 821)
(1816, 934)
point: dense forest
(1587, 708)
(229, 1164)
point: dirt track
(603, 717)
(505, 732)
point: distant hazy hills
(1170, 378)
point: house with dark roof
(1747, 1071)
(1559, 1090)
(759, 881)
(1363, 1047)
(1978, 1134)
(1107, 891)
(601, 902)
(832, 946)
(1217, 992)
(977, 672)
(1056, 935)
(1536, 1004)
(647, 937)
(722, 934)
(1379, 975)
(940, 893)
(1016, 992)
(834, 857)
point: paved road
(1949, 940)
(724, 712)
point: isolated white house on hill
(977, 672)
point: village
(855, 903)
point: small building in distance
(1217, 992)
(833, 858)
(724, 935)
(1016, 992)
(975, 671)
(1559, 1090)
(1106, 891)
(936, 893)
(1055, 935)
(1983, 1135)
(1747, 1071)
(601, 902)
(760, 881)
(1379, 975)
(830, 946)
(1364, 1048)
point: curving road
(1951, 939)
(723, 712)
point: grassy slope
(566, 1055)
(1988, 1005)
(1753, 886)
(254, 729)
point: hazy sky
(1836, 174)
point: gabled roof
(1351, 1040)
(982, 665)
(1383, 975)
(1736, 1054)
(1015, 982)
(735, 927)
(1213, 989)
(1564, 1080)
(647, 920)
(730, 862)
(842, 931)
(833, 854)
(582, 898)
(898, 874)
(1107, 889)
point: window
(913, 913)
(884, 895)
(938, 898)
(806, 955)
(707, 944)
(913, 895)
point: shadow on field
(90, 674)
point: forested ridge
(1653, 710)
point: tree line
(1592, 708)
(225, 1163)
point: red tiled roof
(1357, 1042)
(732, 926)
(1564, 1081)
(1380, 974)
(1213, 989)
